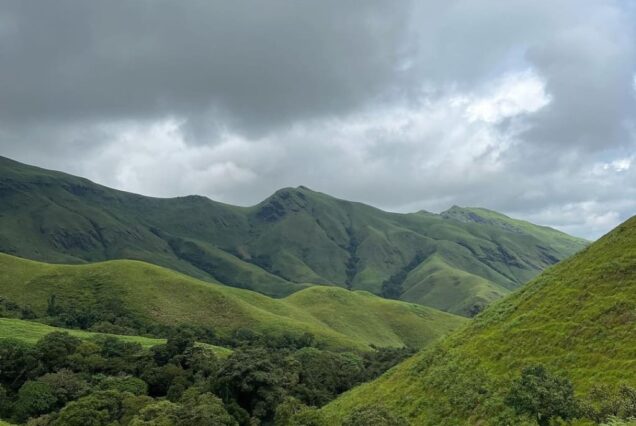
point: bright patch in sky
(513, 95)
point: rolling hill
(338, 318)
(577, 318)
(457, 261)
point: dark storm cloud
(256, 64)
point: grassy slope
(294, 238)
(30, 332)
(578, 318)
(337, 317)
(467, 289)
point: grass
(338, 318)
(578, 318)
(293, 239)
(30, 332)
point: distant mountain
(578, 319)
(458, 261)
(131, 293)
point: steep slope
(338, 318)
(578, 318)
(459, 261)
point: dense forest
(63, 380)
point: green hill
(457, 261)
(30, 332)
(154, 295)
(577, 318)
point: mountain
(145, 294)
(458, 261)
(578, 319)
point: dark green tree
(157, 414)
(160, 379)
(54, 349)
(257, 380)
(97, 409)
(542, 395)
(66, 385)
(18, 362)
(34, 398)
(202, 410)
(324, 374)
(604, 402)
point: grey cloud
(589, 71)
(261, 64)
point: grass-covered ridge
(337, 318)
(578, 319)
(458, 261)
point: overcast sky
(526, 107)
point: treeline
(65, 381)
(113, 317)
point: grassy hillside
(30, 332)
(578, 318)
(459, 261)
(338, 318)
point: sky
(527, 107)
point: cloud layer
(526, 107)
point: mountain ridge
(295, 238)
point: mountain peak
(471, 214)
(282, 202)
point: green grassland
(458, 261)
(30, 332)
(577, 318)
(337, 318)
